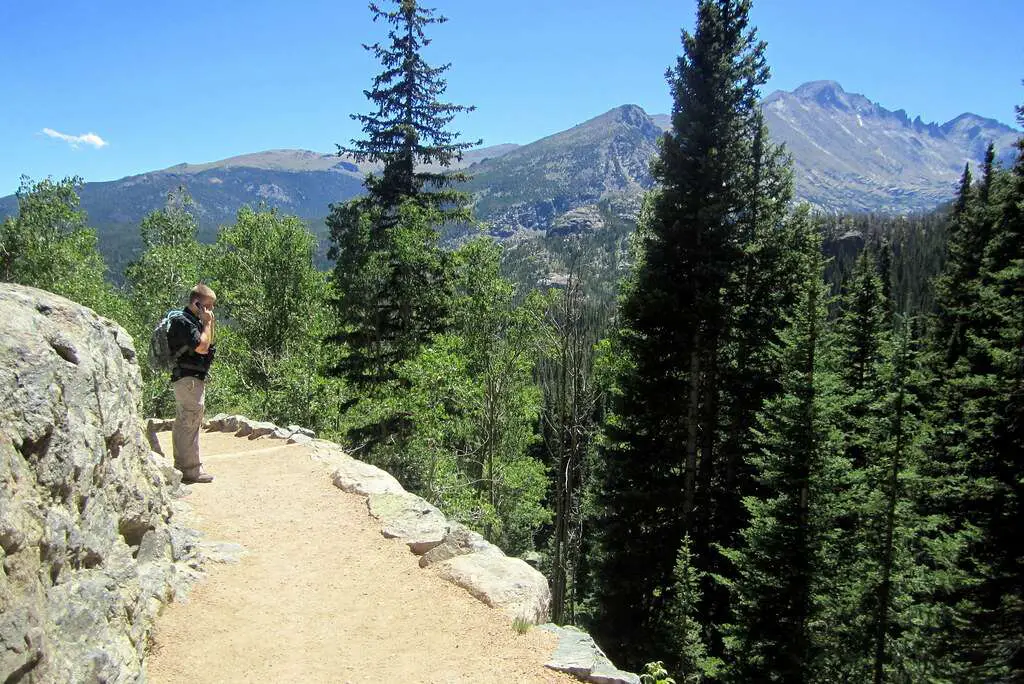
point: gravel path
(320, 595)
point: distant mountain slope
(298, 182)
(306, 160)
(607, 157)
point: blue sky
(199, 80)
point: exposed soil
(320, 595)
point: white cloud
(76, 140)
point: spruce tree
(386, 243)
(786, 566)
(759, 291)
(897, 571)
(860, 336)
(988, 169)
(957, 288)
(393, 281)
(861, 325)
(975, 462)
(885, 574)
(682, 616)
(661, 456)
(408, 133)
(856, 352)
(995, 420)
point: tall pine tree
(392, 278)
(760, 292)
(883, 627)
(975, 460)
(408, 132)
(896, 573)
(662, 457)
(786, 566)
(997, 467)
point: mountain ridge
(286, 159)
(849, 154)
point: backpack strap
(180, 313)
(177, 354)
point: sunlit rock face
(86, 545)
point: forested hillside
(746, 439)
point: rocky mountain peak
(853, 154)
(970, 125)
(628, 117)
(820, 89)
(830, 95)
(603, 157)
(629, 114)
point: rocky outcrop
(581, 220)
(501, 582)
(459, 541)
(88, 547)
(354, 476)
(408, 518)
(578, 655)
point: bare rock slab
(215, 424)
(87, 534)
(459, 541)
(261, 429)
(500, 582)
(577, 654)
(410, 519)
(355, 477)
(298, 429)
(231, 423)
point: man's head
(202, 297)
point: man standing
(193, 335)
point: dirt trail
(320, 595)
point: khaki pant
(190, 396)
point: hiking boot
(197, 476)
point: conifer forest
(750, 440)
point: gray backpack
(161, 356)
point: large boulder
(500, 582)
(410, 519)
(87, 551)
(261, 429)
(352, 475)
(578, 655)
(458, 541)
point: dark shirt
(187, 331)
